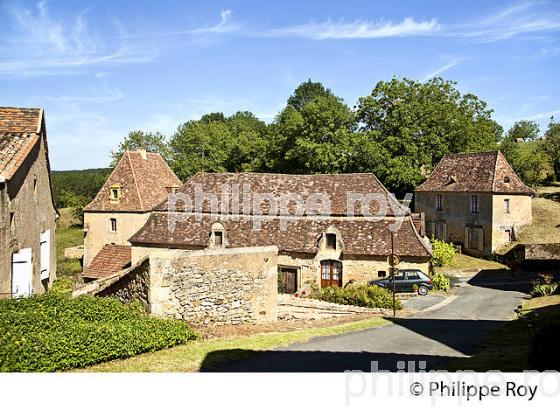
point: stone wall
(132, 287)
(222, 286)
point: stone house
(476, 200)
(27, 212)
(138, 183)
(344, 245)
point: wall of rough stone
(132, 287)
(222, 286)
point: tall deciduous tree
(417, 123)
(150, 141)
(552, 146)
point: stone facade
(226, 286)
(453, 222)
(27, 211)
(98, 232)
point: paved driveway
(426, 340)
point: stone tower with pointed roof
(139, 182)
(476, 200)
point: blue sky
(101, 69)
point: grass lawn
(546, 219)
(509, 347)
(67, 235)
(190, 356)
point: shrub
(360, 295)
(441, 282)
(544, 286)
(443, 253)
(56, 332)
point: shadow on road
(459, 335)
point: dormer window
(115, 193)
(506, 180)
(331, 241)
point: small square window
(506, 180)
(331, 241)
(113, 224)
(381, 274)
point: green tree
(313, 133)
(307, 92)
(551, 146)
(216, 143)
(417, 123)
(525, 130)
(150, 141)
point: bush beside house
(55, 332)
(360, 295)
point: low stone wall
(224, 286)
(132, 287)
(290, 307)
(543, 252)
(74, 252)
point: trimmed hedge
(56, 332)
(360, 295)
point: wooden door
(287, 280)
(331, 273)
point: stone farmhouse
(475, 200)
(139, 182)
(341, 246)
(27, 212)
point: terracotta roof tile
(20, 130)
(360, 236)
(143, 178)
(336, 186)
(110, 259)
(475, 172)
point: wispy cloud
(41, 44)
(224, 26)
(521, 19)
(358, 29)
(545, 115)
(450, 64)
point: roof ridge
(135, 181)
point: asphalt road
(425, 340)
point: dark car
(405, 279)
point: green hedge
(443, 253)
(56, 332)
(360, 295)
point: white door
(22, 273)
(45, 254)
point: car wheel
(422, 290)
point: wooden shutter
(22, 273)
(480, 239)
(466, 241)
(444, 230)
(45, 248)
(432, 229)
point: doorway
(287, 280)
(331, 273)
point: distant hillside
(77, 187)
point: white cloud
(545, 115)
(358, 29)
(521, 19)
(224, 26)
(450, 64)
(43, 45)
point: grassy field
(67, 235)
(190, 356)
(546, 219)
(508, 348)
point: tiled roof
(110, 259)
(475, 172)
(337, 187)
(143, 178)
(20, 120)
(301, 235)
(20, 129)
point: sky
(101, 69)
